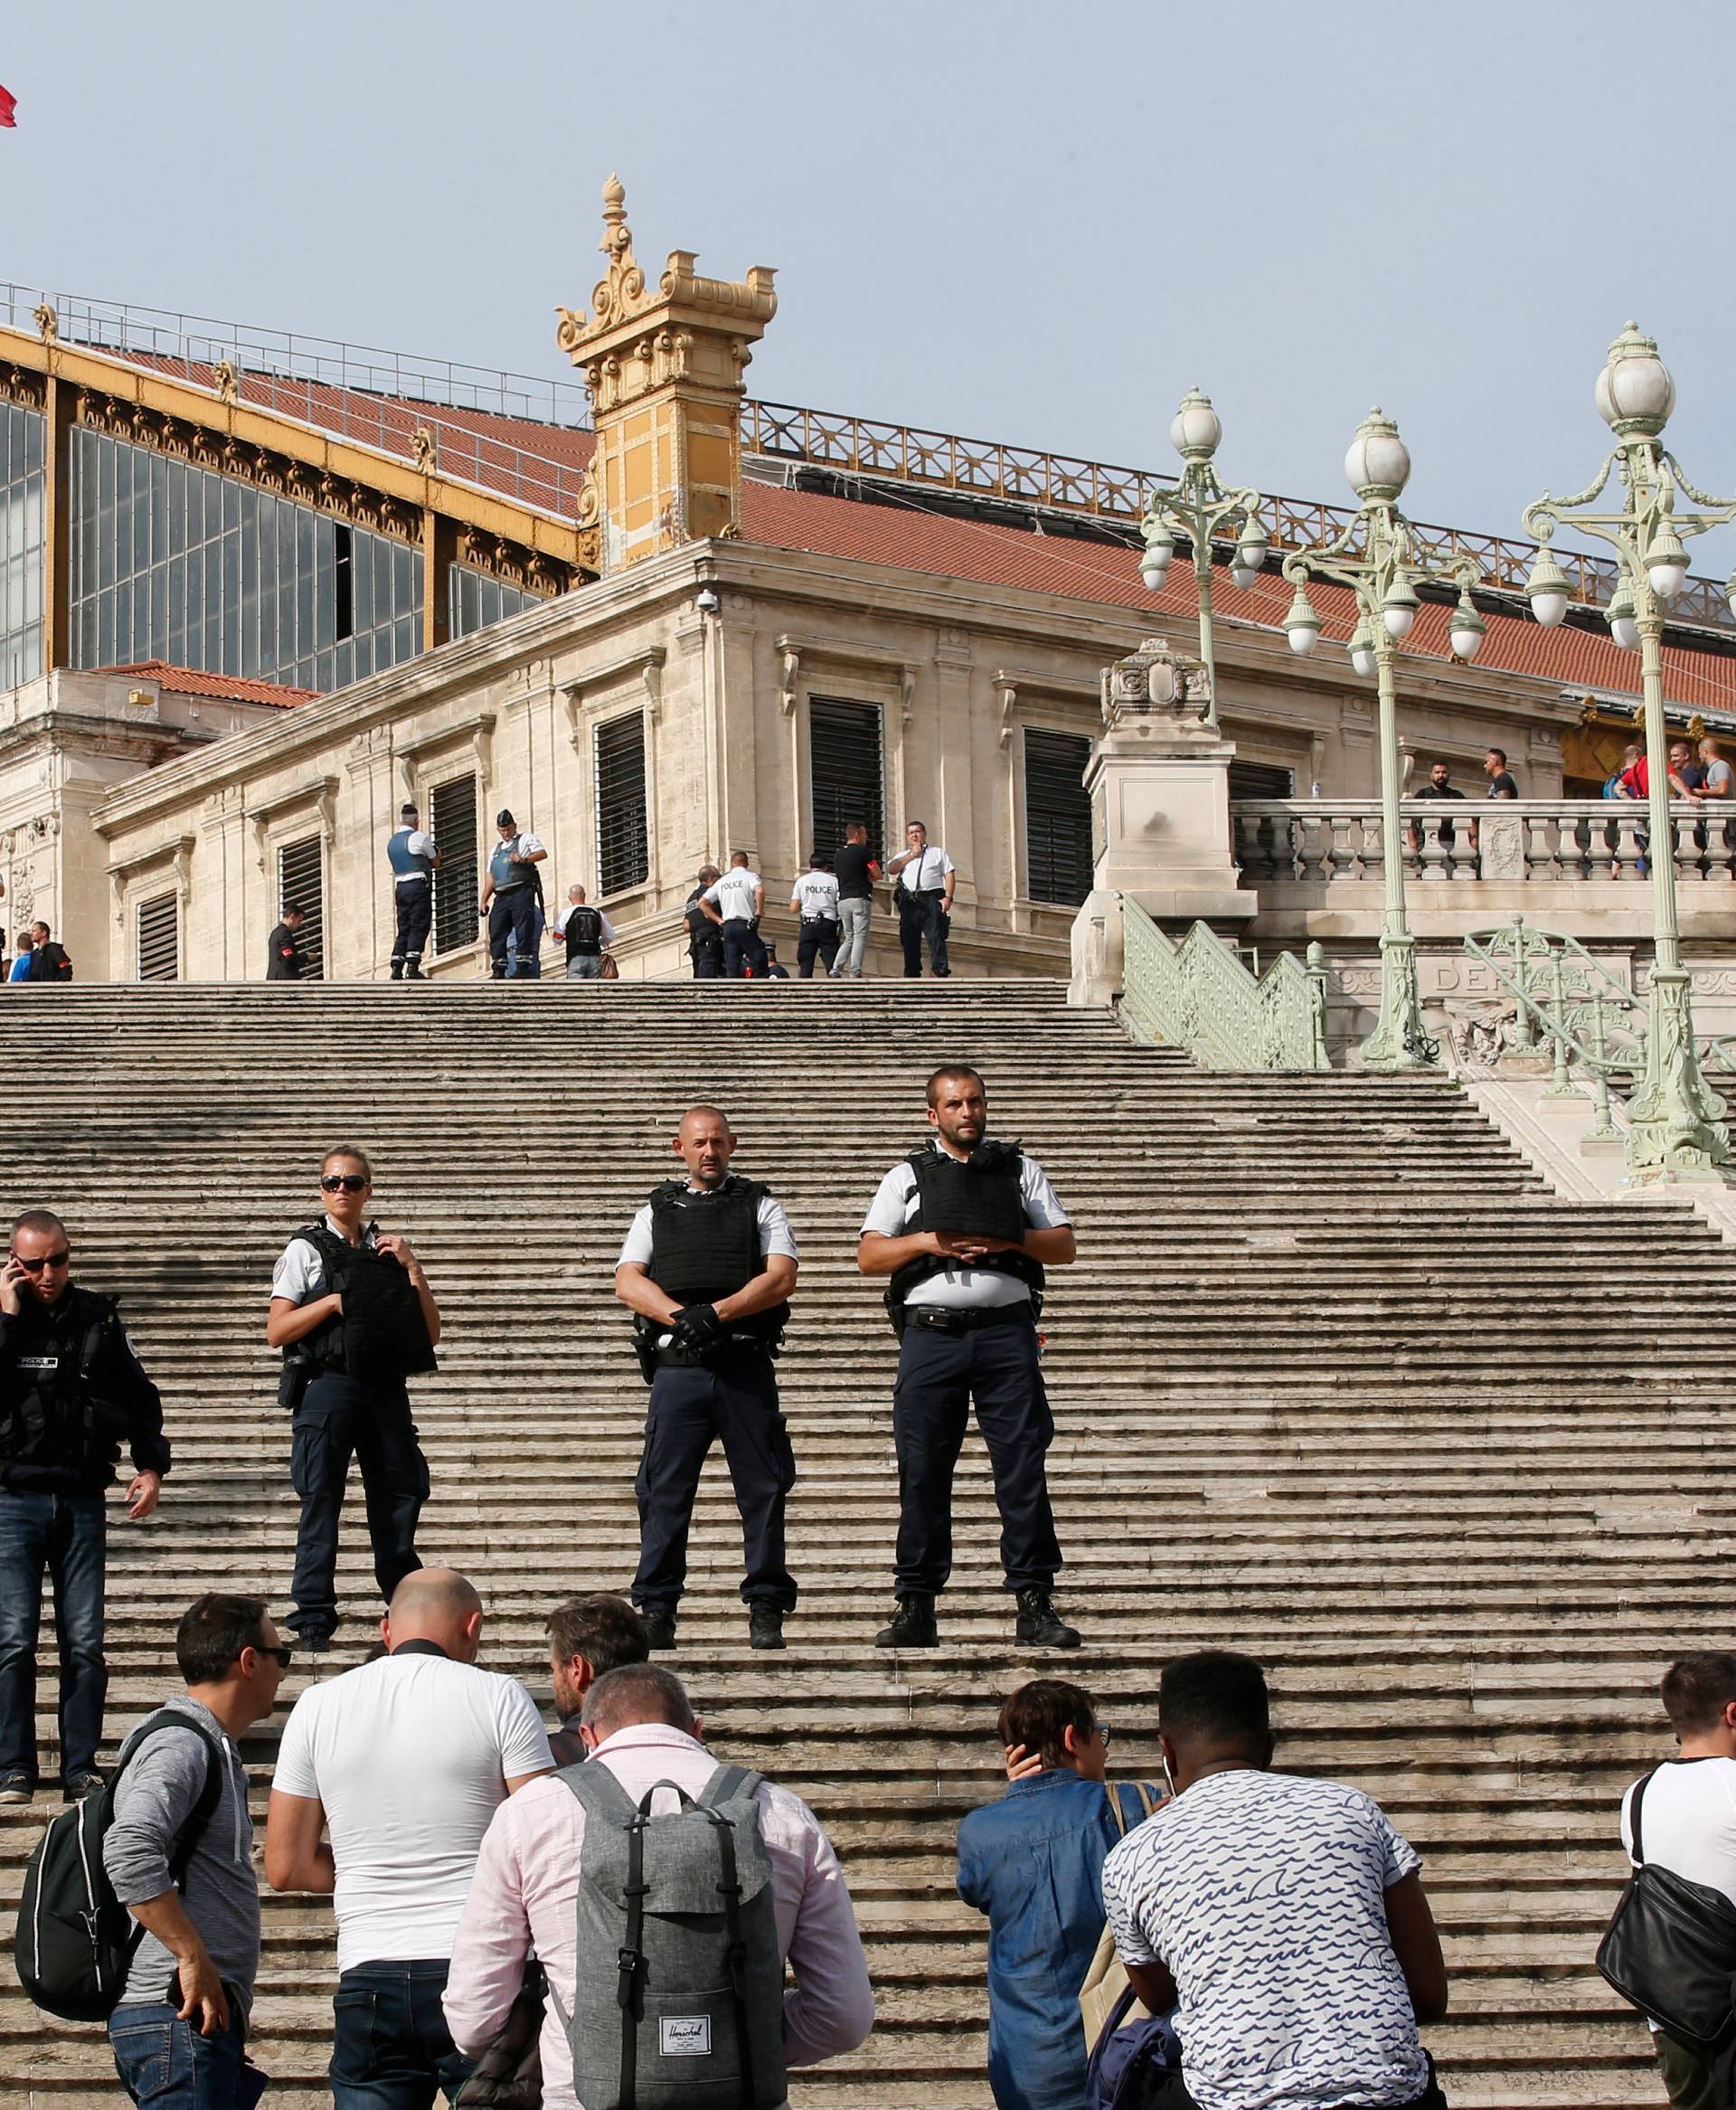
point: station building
(256, 591)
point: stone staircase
(1337, 1381)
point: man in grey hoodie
(179, 2035)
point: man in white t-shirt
(816, 902)
(401, 1765)
(1687, 1822)
(736, 903)
(964, 1228)
(926, 879)
(1282, 1917)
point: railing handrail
(1483, 808)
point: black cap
(408, 811)
(504, 819)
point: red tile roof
(193, 681)
(992, 555)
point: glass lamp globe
(1547, 587)
(1623, 627)
(1195, 430)
(1362, 651)
(1634, 393)
(1467, 630)
(1302, 624)
(1666, 566)
(1398, 609)
(1378, 465)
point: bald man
(707, 1269)
(386, 1780)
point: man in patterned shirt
(1292, 1994)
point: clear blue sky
(1013, 221)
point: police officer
(71, 1392)
(708, 1267)
(515, 890)
(354, 1317)
(704, 938)
(414, 858)
(926, 879)
(735, 904)
(816, 902)
(284, 958)
(965, 1226)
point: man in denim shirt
(1034, 1862)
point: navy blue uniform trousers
(938, 1376)
(511, 914)
(690, 1409)
(340, 1418)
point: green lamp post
(1677, 1126)
(1195, 508)
(1376, 557)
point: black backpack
(75, 1939)
(1670, 1948)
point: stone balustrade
(1326, 842)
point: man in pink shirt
(638, 1723)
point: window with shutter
(845, 771)
(1260, 779)
(1057, 818)
(301, 879)
(452, 822)
(623, 837)
(159, 938)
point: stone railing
(1196, 994)
(1321, 842)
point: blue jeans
(339, 1416)
(66, 1534)
(164, 2064)
(920, 916)
(390, 2047)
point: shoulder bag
(1670, 1949)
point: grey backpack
(679, 1999)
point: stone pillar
(663, 366)
(1159, 785)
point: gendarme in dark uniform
(414, 857)
(344, 1382)
(708, 1266)
(965, 1227)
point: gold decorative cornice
(528, 570)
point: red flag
(8, 103)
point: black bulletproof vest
(979, 1193)
(381, 1334)
(584, 932)
(704, 1246)
(53, 1405)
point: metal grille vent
(623, 839)
(845, 772)
(301, 879)
(453, 825)
(159, 938)
(1057, 818)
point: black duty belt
(940, 1319)
(679, 1359)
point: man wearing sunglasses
(71, 1391)
(354, 1317)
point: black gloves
(697, 1326)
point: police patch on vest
(38, 1362)
(684, 2036)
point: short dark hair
(213, 1631)
(954, 1070)
(740, 858)
(292, 908)
(1213, 1696)
(1500, 754)
(607, 1632)
(1696, 1690)
(40, 1220)
(637, 1692)
(1038, 1716)
(856, 828)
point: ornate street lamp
(1376, 557)
(1194, 507)
(1677, 1129)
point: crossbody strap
(1640, 1787)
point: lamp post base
(1399, 1041)
(1676, 1128)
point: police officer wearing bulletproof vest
(354, 1317)
(414, 858)
(515, 891)
(70, 1393)
(704, 938)
(708, 1267)
(965, 1227)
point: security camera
(708, 604)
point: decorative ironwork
(1197, 995)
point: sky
(1014, 222)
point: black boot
(659, 1625)
(413, 971)
(913, 1626)
(1038, 1625)
(765, 1627)
(397, 970)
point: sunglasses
(285, 1656)
(35, 1267)
(1105, 1732)
(351, 1182)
